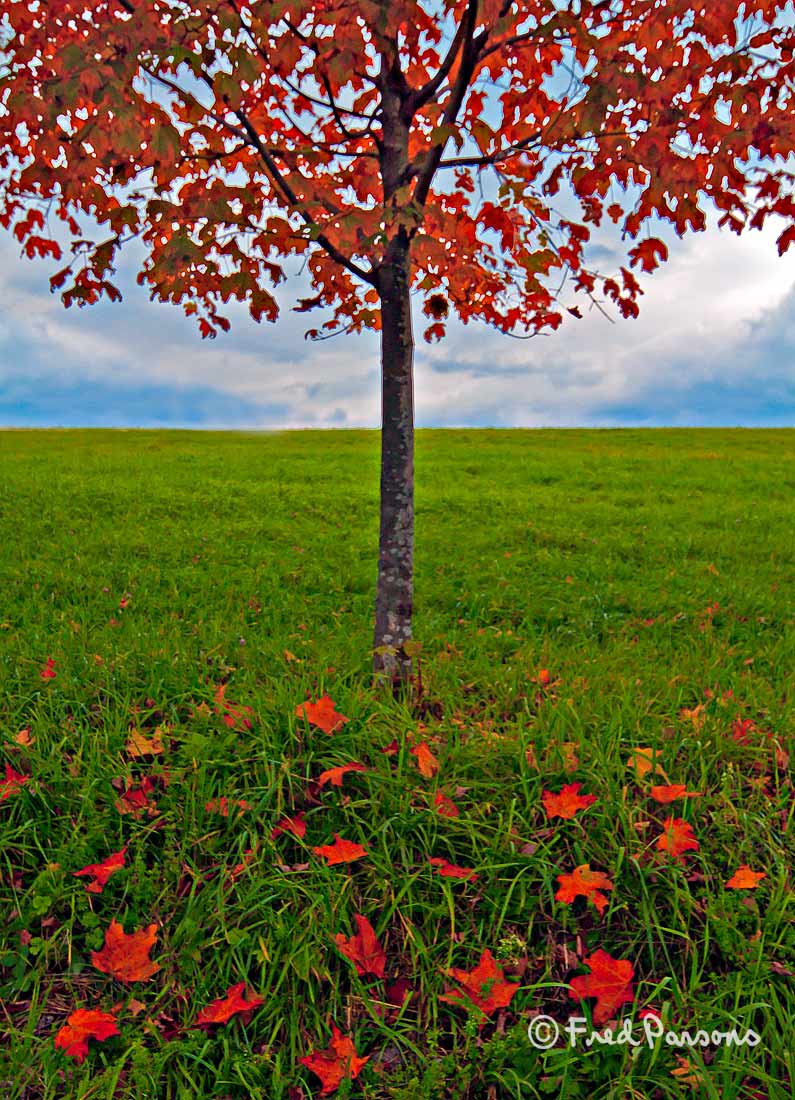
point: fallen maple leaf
(363, 949)
(644, 760)
(451, 870)
(392, 749)
(48, 672)
(334, 776)
(322, 714)
(295, 825)
(610, 982)
(567, 802)
(12, 783)
(445, 806)
(341, 851)
(233, 715)
(222, 1010)
(583, 882)
(677, 837)
(138, 745)
(224, 805)
(24, 737)
(485, 986)
(426, 761)
(745, 879)
(126, 957)
(336, 1063)
(671, 792)
(101, 872)
(136, 800)
(82, 1025)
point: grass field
(580, 596)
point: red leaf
(334, 776)
(341, 851)
(445, 806)
(127, 957)
(224, 805)
(671, 792)
(451, 870)
(82, 1025)
(322, 714)
(233, 715)
(567, 802)
(745, 879)
(295, 825)
(610, 982)
(48, 672)
(646, 254)
(485, 986)
(363, 949)
(585, 883)
(101, 872)
(13, 782)
(222, 1010)
(336, 1063)
(677, 838)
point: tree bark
(395, 590)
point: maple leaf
(24, 737)
(745, 879)
(224, 805)
(671, 793)
(13, 782)
(485, 986)
(101, 872)
(567, 802)
(677, 837)
(363, 949)
(338, 1062)
(648, 254)
(341, 851)
(232, 715)
(138, 745)
(295, 825)
(644, 760)
(583, 882)
(445, 806)
(222, 1010)
(136, 800)
(610, 982)
(426, 761)
(48, 672)
(451, 870)
(334, 776)
(126, 957)
(82, 1025)
(322, 714)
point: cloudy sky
(714, 345)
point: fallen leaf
(82, 1025)
(233, 715)
(445, 806)
(645, 760)
(322, 714)
(338, 1062)
(671, 792)
(485, 986)
(610, 982)
(48, 672)
(222, 1010)
(13, 782)
(677, 837)
(426, 761)
(567, 802)
(294, 825)
(126, 957)
(136, 800)
(363, 949)
(745, 879)
(334, 776)
(138, 745)
(583, 882)
(451, 870)
(24, 737)
(224, 805)
(101, 872)
(341, 851)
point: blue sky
(714, 345)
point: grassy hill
(580, 596)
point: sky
(714, 346)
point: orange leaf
(295, 825)
(341, 851)
(568, 802)
(583, 882)
(450, 870)
(745, 879)
(610, 981)
(336, 1063)
(101, 872)
(334, 776)
(672, 792)
(322, 714)
(138, 745)
(82, 1025)
(426, 761)
(677, 838)
(224, 805)
(485, 986)
(24, 737)
(644, 760)
(127, 957)
(363, 949)
(222, 1010)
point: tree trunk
(395, 592)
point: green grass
(249, 560)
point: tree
(458, 150)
